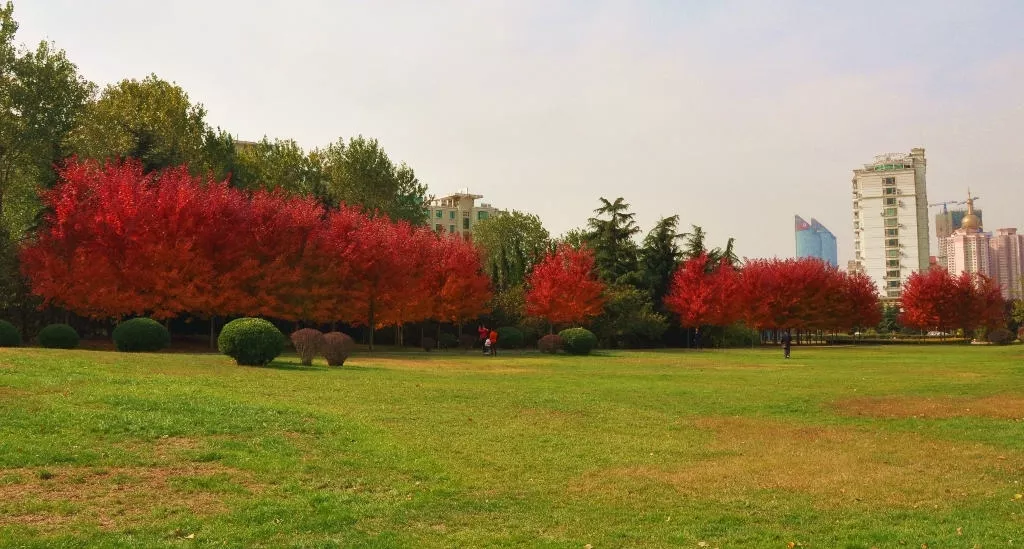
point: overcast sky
(736, 115)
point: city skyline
(750, 107)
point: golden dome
(971, 222)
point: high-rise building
(946, 222)
(890, 219)
(458, 213)
(1006, 259)
(967, 249)
(815, 240)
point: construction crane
(954, 202)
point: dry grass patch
(835, 466)
(114, 497)
(995, 406)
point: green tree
(360, 173)
(150, 119)
(511, 243)
(280, 164)
(611, 234)
(660, 256)
(628, 319)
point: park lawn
(837, 447)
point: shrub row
(335, 347)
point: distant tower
(967, 249)
(890, 219)
(815, 240)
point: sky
(733, 114)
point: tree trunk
(213, 331)
(371, 323)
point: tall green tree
(151, 119)
(611, 234)
(511, 243)
(280, 164)
(361, 173)
(660, 256)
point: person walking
(493, 338)
(787, 341)
(484, 333)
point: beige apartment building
(890, 220)
(967, 249)
(458, 213)
(1006, 258)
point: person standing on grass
(787, 341)
(493, 338)
(483, 332)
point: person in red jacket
(484, 333)
(493, 337)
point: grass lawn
(841, 447)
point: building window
(891, 222)
(889, 212)
(892, 232)
(892, 274)
(892, 263)
(438, 228)
(451, 214)
(892, 293)
(892, 253)
(465, 223)
(889, 190)
(893, 242)
(892, 284)
(889, 181)
(451, 228)
(890, 201)
(439, 214)
(480, 216)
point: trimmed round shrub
(468, 341)
(9, 335)
(336, 348)
(510, 337)
(307, 342)
(251, 341)
(550, 343)
(448, 341)
(428, 343)
(58, 336)
(1001, 336)
(141, 335)
(578, 341)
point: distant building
(945, 223)
(852, 266)
(814, 240)
(458, 213)
(967, 249)
(890, 219)
(1006, 259)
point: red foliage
(563, 289)
(936, 300)
(703, 298)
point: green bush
(428, 343)
(336, 348)
(141, 335)
(251, 341)
(9, 335)
(510, 337)
(468, 341)
(530, 335)
(578, 341)
(1001, 336)
(550, 344)
(58, 336)
(448, 341)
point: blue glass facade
(815, 240)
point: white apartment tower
(890, 220)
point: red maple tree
(563, 288)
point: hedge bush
(1001, 336)
(336, 348)
(141, 335)
(9, 335)
(510, 337)
(428, 343)
(58, 336)
(307, 342)
(251, 341)
(468, 341)
(550, 343)
(448, 341)
(578, 341)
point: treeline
(49, 112)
